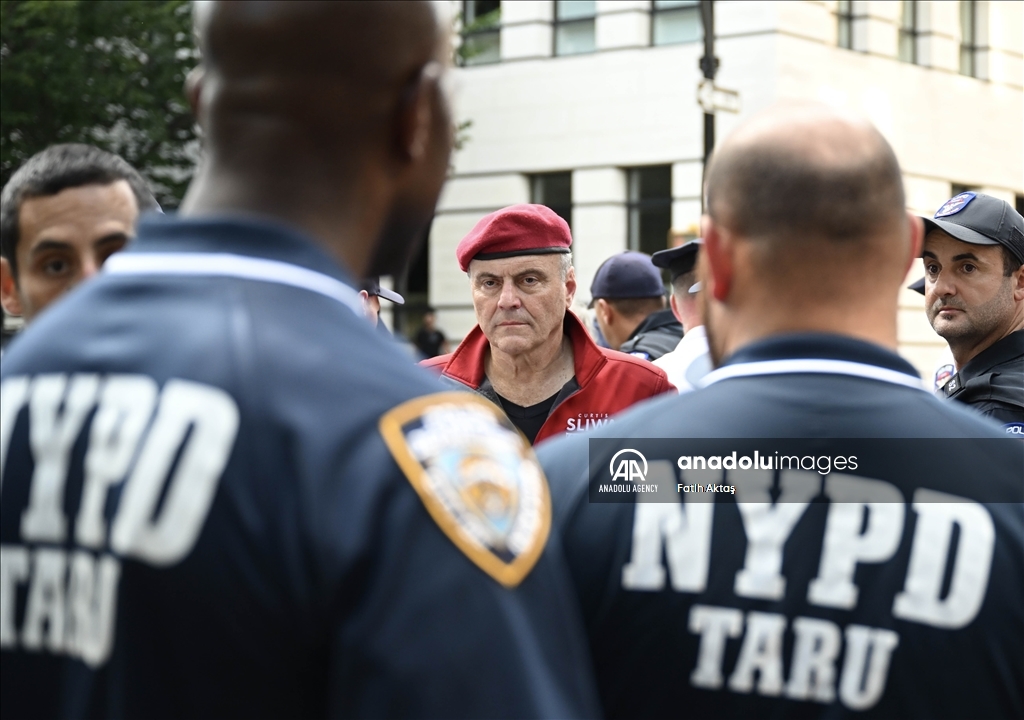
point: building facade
(592, 108)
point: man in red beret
(527, 354)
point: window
(555, 191)
(908, 32)
(675, 21)
(650, 207)
(969, 38)
(844, 15)
(574, 27)
(481, 32)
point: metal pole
(709, 65)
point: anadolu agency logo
(628, 470)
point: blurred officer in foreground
(528, 354)
(690, 360)
(974, 297)
(629, 304)
(763, 603)
(62, 214)
(230, 497)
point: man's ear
(194, 90)
(9, 290)
(675, 307)
(570, 286)
(604, 310)
(415, 113)
(1018, 283)
(718, 259)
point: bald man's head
(320, 104)
(807, 230)
(314, 55)
(805, 171)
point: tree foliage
(109, 73)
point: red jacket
(606, 382)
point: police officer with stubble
(974, 296)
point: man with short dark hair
(974, 296)
(780, 543)
(529, 354)
(227, 495)
(629, 303)
(62, 214)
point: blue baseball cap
(629, 274)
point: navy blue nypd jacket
(224, 494)
(891, 589)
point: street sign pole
(709, 65)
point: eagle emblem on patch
(477, 477)
(955, 204)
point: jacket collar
(242, 235)
(800, 353)
(467, 362)
(658, 319)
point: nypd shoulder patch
(477, 477)
(955, 204)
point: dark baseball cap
(372, 286)
(678, 260)
(917, 286)
(980, 219)
(629, 274)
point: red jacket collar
(467, 362)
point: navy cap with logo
(629, 274)
(678, 260)
(372, 287)
(980, 219)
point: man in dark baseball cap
(628, 298)
(690, 360)
(371, 292)
(974, 296)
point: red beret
(515, 230)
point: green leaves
(108, 73)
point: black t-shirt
(429, 342)
(530, 419)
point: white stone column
(623, 24)
(686, 189)
(526, 30)
(598, 221)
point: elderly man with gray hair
(527, 353)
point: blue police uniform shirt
(795, 597)
(225, 495)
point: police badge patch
(478, 478)
(955, 204)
